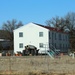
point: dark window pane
(21, 34)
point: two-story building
(41, 37)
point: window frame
(60, 36)
(41, 45)
(20, 45)
(20, 34)
(40, 34)
(55, 36)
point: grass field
(37, 65)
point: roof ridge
(50, 28)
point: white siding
(30, 36)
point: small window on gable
(40, 34)
(41, 45)
(20, 34)
(21, 45)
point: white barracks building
(41, 37)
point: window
(66, 46)
(66, 37)
(60, 46)
(21, 45)
(60, 37)
(41, 45)
(52, 34)
(55, 45)
(63, 38)
(63, 46)
(21, 34)
(55, 36)
(40, 34)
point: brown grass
(37, 65)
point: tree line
(7, 31)
(66, 24)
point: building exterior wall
(30, 37)
(4, 44)
(59, 40)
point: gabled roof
(50, 28)
(47, 27)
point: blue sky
(37, 11)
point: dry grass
(37, 65)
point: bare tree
(8, 27)
(57, 22)
(65, 23)
(71, 26)
(70, 17)
(53, 22)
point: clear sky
(37, 11)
